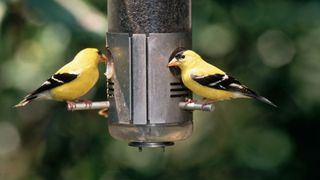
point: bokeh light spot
(9, 138)
(216, 40)
(2, 11)
(25, 66)
(275, 48)
(55, 42)
(306, 70)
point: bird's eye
(99, 52)
(179, 56)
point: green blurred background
(271, 46)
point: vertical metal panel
(139, 78)
(119, 44)
(162, 108)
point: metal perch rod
(89, 106)
(196, 106)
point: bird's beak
(174, 62)
(103, 58)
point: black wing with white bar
(222, 82)
(55, 81)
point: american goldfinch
(209, 81)
(71, 81)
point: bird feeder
(146, 99)
(144, 95)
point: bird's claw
(71, 105)
(189, 100)
(88, 103)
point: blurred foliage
(272, 46)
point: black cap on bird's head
(176, 56)
(180, 55)
(176, 60)
(177, 51)
(185, 58)
(174, 69)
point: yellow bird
(71, 81)
(209, 81)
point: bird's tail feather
(25, 101)
(262, 99)
(265, 100)
(246, 92)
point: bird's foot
(189, 100)
(71, 105)
(87, 103)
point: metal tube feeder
(144, 95)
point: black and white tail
(245, 91)
(26, 100)
(262, 99)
